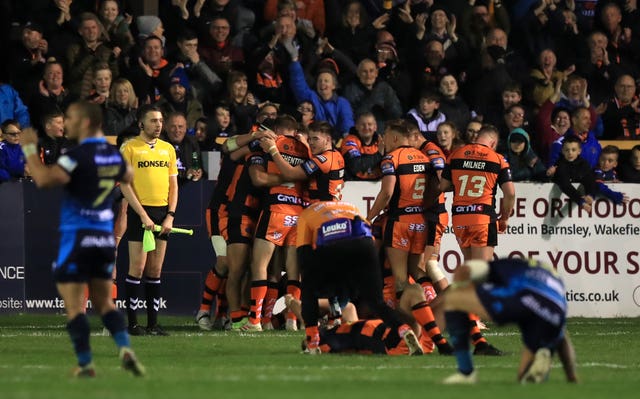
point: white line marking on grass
(604, 365)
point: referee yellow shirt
(152, 166)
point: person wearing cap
(150, 25)
(82, 56)
(524, 162)
(328, 105)
(27, 61)
(180, 99)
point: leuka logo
(335, 228)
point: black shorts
(85, 255)
(135, 231)
(541, 318)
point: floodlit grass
(36, 360)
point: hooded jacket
(526, 165)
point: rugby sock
(152, 290)
(313, 336)
(458, 328)
(293, 288)
(132, 288)
(269, 301)
(114, 322)
(474, 330)
(238, 315)
(424, 316)
(211, 286)
(258, 292)
(78, 329)
(222, 304)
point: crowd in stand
(537, 70)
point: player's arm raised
(43, 175)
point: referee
(152, 198)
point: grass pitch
(36, 361)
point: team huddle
(357, 283)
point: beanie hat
(179, 76)
(147, 24)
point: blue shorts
(85, 255)
(540, 318)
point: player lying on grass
(374, 335)
(527, 293)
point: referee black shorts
(135, 231)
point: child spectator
(607, 164)
(572, 168)
(524, 163)
(11, 158)
(630, 170)
(426, 115)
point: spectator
(476, 22)
(545, 77)
(240, 18)
(572, 168)
(268, 84)
(452, 105)
(83, 56)
(471, 133)
(205, 84)
(426, 115)
(12, 107)
(50, 95)
(122, 106)
(53, 143)
(370, 95)
(243, 104)
(363, 150)
(150, 25)
(598, 69)
(222, 125)
(590, 151)
(607, 164)
(310, 10)
(393, 70)
(514, 117)
(287, 8)
(307, 112)
(11, 157)
(116, 26)
(28, 59)
(443, 29)
(448, 138)
(205, 136)
(624, 45)
(552, 122)
(218, 52)
(524, 163)
(151, 78)
(621, 120)
(355, 33)
(329, 106)
(187, 149)
(101, 85)
(630, 170)
(180, 99)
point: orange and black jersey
(437, 160)
(363, 336)
(287, 197)
(475, 171)
(362, 161)
(227, 169)
(410, 166)
(326, 171)
(328, 221)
